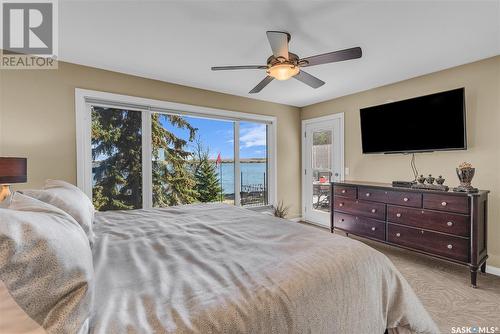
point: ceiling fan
(283, 65)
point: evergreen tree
(207, 183)
(117, 144)
(173, 182)
(205, 172)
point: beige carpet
(444, 289)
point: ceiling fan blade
(242, 67)
(308, 79)
(279, 43)
(332, 57)
(261, 84)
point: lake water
(251, 174)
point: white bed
(216, 268)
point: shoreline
(251, 161)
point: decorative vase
(440, 180)
(421, 179)
(465, 175)
(430, 179)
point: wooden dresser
(447, 225)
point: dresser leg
(473, 277)
(483, 267)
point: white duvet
(217, 268)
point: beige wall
(482, 85)
(37, 119)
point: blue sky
(218, 135)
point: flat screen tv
(427, 123)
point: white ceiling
(178, 41)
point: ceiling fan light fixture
(283, 71)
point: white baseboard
(493, 270)
(313, 223)
(296, 219)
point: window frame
(85, 98)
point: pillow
(46, 265)
(70, 199)
(14, 320)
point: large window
(137, 153)
(198, 161)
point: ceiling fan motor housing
(293, 59)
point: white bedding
(215, 268)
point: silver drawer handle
(421, 231)
(444, 203)
(449, 223)
(450, 246)
(341, 204)
(341, 220)
(406, 199)
(373, 228)
(343, 191)
(367, 194)
(398, 234)
(374, 210)
(398, 215)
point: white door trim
(340, 117)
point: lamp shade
(13, 170)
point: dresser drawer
(360, 208)
(362, 226)
(431, 242)
(345, 191)
(371, 194)
(404, 198)
(433, 220)
(447, 203)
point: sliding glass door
(142, 158)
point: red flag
(219, 160)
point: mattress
(215, 268)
